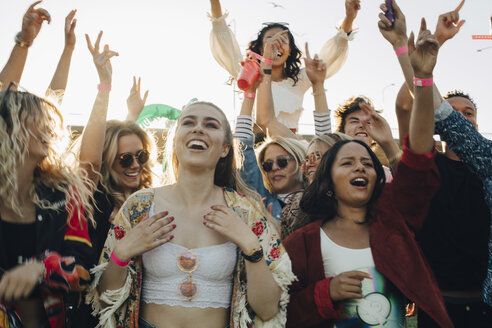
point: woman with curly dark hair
(290, 81)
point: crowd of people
(251, 227)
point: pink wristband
(401, 50)
(423, 82)
(249, 94)
(261, 58)
(104, 87)
(117, 261)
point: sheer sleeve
(224, 46)
(334, 52)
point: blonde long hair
(227, 168)
(20, 111)
(110, 181)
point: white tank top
(213, 275)
(338, 259)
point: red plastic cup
(249, 74)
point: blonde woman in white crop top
(194, 242)
(287, 95)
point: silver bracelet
(318, 93)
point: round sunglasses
(126, 159)
(188, 262)
(282, 161)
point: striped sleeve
(244, 127)
(322, 123)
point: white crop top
(213, 275)
(338, 259)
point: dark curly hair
(317, 204)
(351, 105)
(293, 62)
(459, 93)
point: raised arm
(423, 57)
(92, 143)
(379, 130)
(335, 51)
(60, 78)
(134, 102)
(316, 72)
(396, 35)
(223, 43)
(31, 25)
(265, 113)
(250, 171)
(449, 24)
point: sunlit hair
(330, 138)
(293, 63)
(459, 93)
(110, 180)
(317, 201)
(350, 106)
(294, 147)
(23, 116)
(227, 168)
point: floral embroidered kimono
(124, 303)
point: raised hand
(347, 285)
(395, 33)
(31, 23)
(274, 44)
(19, 282)
(225, 221)
(101, 59)
(134, 102)
(376, 126)
(449, 24)
(315, 68)
(70, 23)
(352, 7)
(145, 236)
(423, 54)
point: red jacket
(401, 209)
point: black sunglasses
(282, 161)
(126, 159)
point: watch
(254, 256)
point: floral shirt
(124, 303)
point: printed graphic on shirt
(382, 305)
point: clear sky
(167, 44)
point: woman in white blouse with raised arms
(290, 82)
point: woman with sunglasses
(115, 155)
(359, 260)
(199, 252)
(45, 249)
(289, 80)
